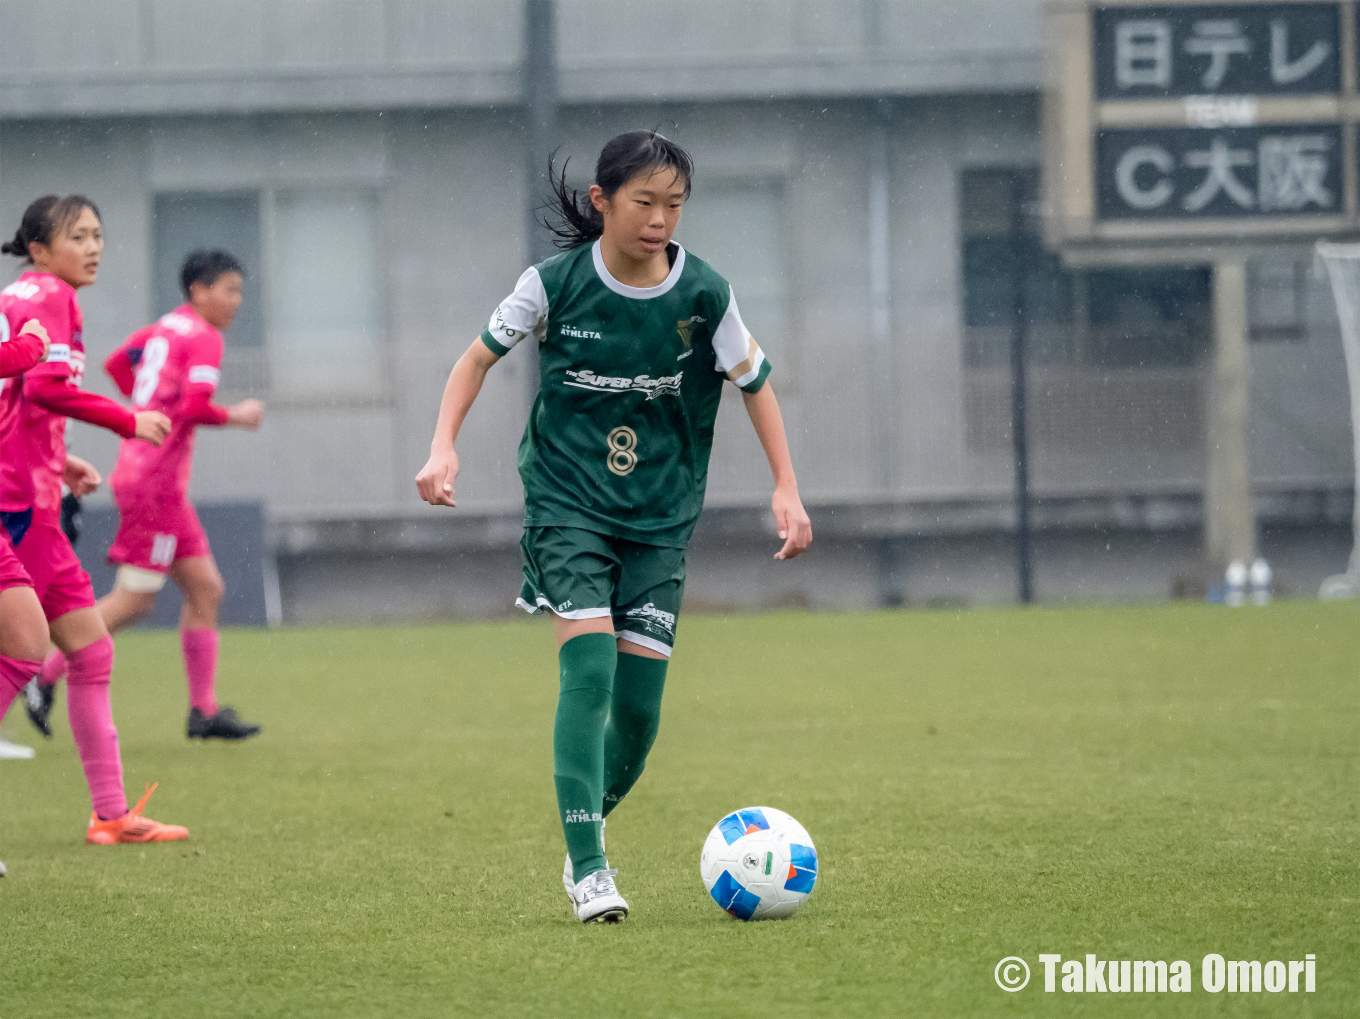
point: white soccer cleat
(3, 872)
(596, 900)
(14, 751)
(569, 873)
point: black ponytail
(42, 219)
(573, 219)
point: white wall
(451, 186)
(127, 57)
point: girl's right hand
(435, 480)
(36, 328)
(152, 426)
(247, 414)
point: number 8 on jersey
(622, 450)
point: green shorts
(580, 574)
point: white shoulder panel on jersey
(523, 313)
(739, 357)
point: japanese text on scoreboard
(1194, 120)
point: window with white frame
(311, 324)
(738, 228)
(1277, 297)
(325, 307)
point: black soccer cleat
(38, 705)
(223, 725)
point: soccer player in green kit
(636, 337)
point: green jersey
(630, 379)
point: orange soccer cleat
(132, 827)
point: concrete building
(365, 158)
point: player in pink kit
(172, 366)
(62, 238)
(23, 627)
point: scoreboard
(1172, 126)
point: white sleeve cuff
(739, 357)
(523, 313)
(205, 374)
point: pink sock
(200, 665)
(91, 714)
(53, 668)
(14, 676)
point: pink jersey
(21, 348)
(172, 366)
(33, 439)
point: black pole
(1024, 553)
(541, 131)
(538, 83)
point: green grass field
(1153, 782)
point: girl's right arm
(25, 350)
(56, 394)
(435, 480)
(54, 386)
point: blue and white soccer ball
(759, 864)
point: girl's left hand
(792, 522)
(80, 476)
(435, 480)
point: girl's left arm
(790, 518)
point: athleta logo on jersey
(580, 334)
(577, 816)
(587, 379)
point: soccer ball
(759, 864)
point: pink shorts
(153, 533)
(12, 572)
(62, 585)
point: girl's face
(73, 255)
(641, 216)
(218, 303)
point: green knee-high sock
(587, 670)
(634, 717)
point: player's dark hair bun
(44, 217)
(17, 247)
(623, 158)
